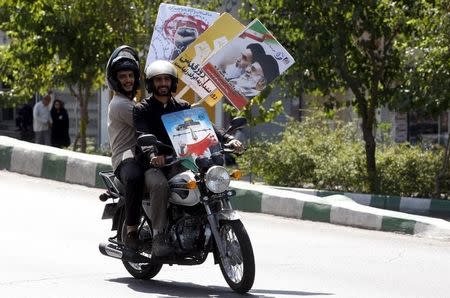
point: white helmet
(160, 67)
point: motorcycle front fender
(227, 214)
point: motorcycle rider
(123, 77)
(161, 81)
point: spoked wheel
(140, 270)
(238, 266)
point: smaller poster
(247, 64)
(191, 133)
(175, 28)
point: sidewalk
(72, 167)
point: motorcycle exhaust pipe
(122, 253)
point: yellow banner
(189, 62)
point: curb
(334, 209)
(52, 163)
(73, 167)
(420, 206)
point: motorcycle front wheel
(139, 270)
(238, 265)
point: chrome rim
(233, 260)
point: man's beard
(127, 93)
(159, 92)
(249, 81)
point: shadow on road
(181, 289)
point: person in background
(42, 122)
(60, 126)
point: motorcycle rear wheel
(139, 270)
(238, 266)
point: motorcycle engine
(188, 230)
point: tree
(426, 63)
(340, 45)
(67, 43)
(427, 82)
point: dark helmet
(123, 58)
(160, 67)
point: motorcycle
(201, 220)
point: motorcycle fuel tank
(179, 194)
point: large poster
(189, 63)
(247, 64)
(175, 28)
(191, 133)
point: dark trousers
(131, 175)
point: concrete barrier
(72, 167)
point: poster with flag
(175, 28)
(191, 133)
(247, 64)
(189, 63)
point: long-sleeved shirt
(41, 117)
(121, 131)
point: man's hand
(236, 145)
(158, 161)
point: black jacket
(60, 128)
(147, 118)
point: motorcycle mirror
(236, 123)
(147, 140)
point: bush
(313, 153)
(330, 156)
(408, 170)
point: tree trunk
(82, 95)
(370, 146)
(84, 120)
(367, 103)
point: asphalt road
(51, 230)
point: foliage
(328, 155)
(57, 43)
(426, 63)
(356, 45)
(314, 152)
(67, 44)
(255, 111)
(408, 170)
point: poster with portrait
(191, 133)
(175, 28)
(189, 63)
(247, 64)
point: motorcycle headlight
(217, 179)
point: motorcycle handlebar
(230, 149)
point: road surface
(51, 230)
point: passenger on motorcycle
(122, 74)
(161, 81)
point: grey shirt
(121, 131)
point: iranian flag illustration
(257, 32)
